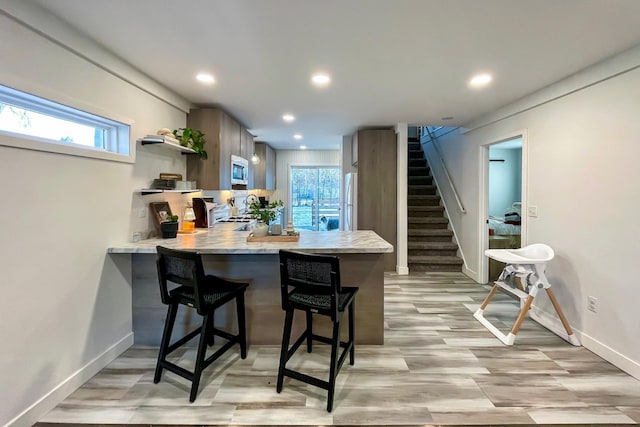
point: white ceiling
(391, 61)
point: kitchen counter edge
(223, 240)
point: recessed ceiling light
(303, 147)
(447, 118)
(288, 118)
(205, 78)
(297, 136)
(320, 79)
(480, 80)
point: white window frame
(118, 144)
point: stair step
(432, 245)
(434, 263)
(413, 139)
(434, 267)
(447, 249)
(420, 180)
(428, 200)
(427, 222)
(416, 154)
(423, 211)
(419, 171)
(414, 147)
(425, 190)
(417, 162)
(429, 235)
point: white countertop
(222, 239)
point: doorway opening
(504, 191)
(315, 197)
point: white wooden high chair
(524, 277)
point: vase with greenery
(264, 215)
(169, 227)
(193, 139)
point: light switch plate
(532, 211)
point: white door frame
(484, 198)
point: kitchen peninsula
(226, 253)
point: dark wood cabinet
(377, 186)
(264, 173)
(224, 137)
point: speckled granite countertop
(222, 239)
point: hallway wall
(583, 176)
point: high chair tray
(532, 254)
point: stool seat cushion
(215, 290)
(323, 302)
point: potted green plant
(169, 227)
(264, 216)
(193, 139)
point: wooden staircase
(430, 245)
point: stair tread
(423, 196)
(434, 259)
(427, 219)
(432, 245)
(429, 232)
(426, 208)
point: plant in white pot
(264, 216)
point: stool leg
(172, 309)
(211, 336)
(242, 325)
(352, 351)
(333, 372)
(309, 331)
(522, 315)
(202, 349)
(284, 350)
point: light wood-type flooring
(438, 366)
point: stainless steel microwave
(239, 170)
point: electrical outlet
(532, 211)
(142, 213)
(592, 304)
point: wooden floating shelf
(146, 191)
(272, 238)
(184, 150)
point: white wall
(583, 176)
(505, 179)
(65, 309)
(287, 158)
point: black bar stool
(311, 283)
(205, 293)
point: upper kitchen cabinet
(246, 144)
(223, 137)
(354, 150)
(264, 173)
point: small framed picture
(159, 211)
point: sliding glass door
(315, 197)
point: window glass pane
(26, 122)
(37, 123)
(315, 198)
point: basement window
(30, 122)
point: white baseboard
(470, 273)
(33, 413)
(402, 270)
(631, 367)
(552, 322)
